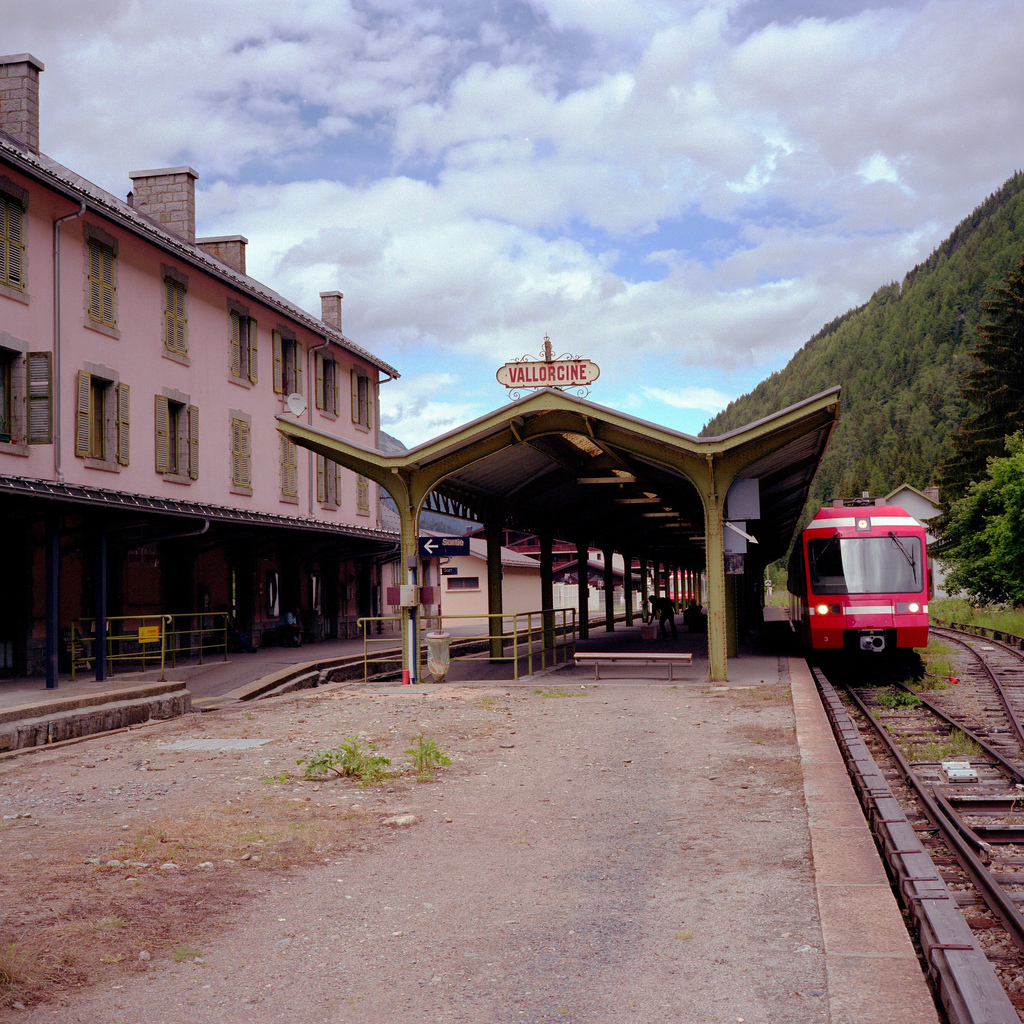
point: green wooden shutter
(336, 387)
(122, 397)
(337, 483)
(236, 345)
(318, 366)
(163, 435)
(321, 479)
(355, 397)
(278, 363)
(253, 365)
(40, 398)
(11, 242)
(193, 442)
(236, 451)
(298, 367)
(83, 418)
(245, 454)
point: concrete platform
(866, 957)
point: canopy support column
(609, 591)
(627, 585)
(496, 626)
(582, 586)
(715, 545)
(547, 590)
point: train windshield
(865, 565)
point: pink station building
(141, 371)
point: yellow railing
(522, 631)
(150, 639)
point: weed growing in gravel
(347, 760)
(896, 699)
(426, 754)
(557, 692)
(938, 665)
(957, 744)
(185, 952)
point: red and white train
(860, 581)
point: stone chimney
(168, 195)
(330, 309)
(19, 98)
(229, 249)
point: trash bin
(438, 655)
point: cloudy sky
(681, 190)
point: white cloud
(675, 188)
(704, 400)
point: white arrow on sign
(430, 546)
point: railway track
(941, 778)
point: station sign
(440, 547)
(449, 570)
(557, 373)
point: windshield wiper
(816, 556)
(908, 555)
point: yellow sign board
(149, 634)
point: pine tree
(994, 385)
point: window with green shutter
(241, 453)
(289, 469)
(102, 288)
(287, 355)
(102, 420)
(243, 362)
(177, 437)
(12, 245)
(175, 320)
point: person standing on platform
(665, 609)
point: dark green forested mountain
(899, 359)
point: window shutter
(40, 398)
(278, 364)
(163, 435)
(253, 369)
(123, 399)
(337, 483)
(10, 241)
(298, 367)
(236, 345)
(244, 453)
(95, 287)
(83, 417)
(108, 286)
(236, 451)
(321, 479)
(355, 397)
(318, 365)
(336, 388)
(369, 403)
(193, 442)
(289, 468)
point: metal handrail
(527, 630)
(132, 639)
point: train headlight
(913, 607)
(822, 609)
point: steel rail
(964, 978)
(1015, 723)
(992, 893)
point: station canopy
(554, 463)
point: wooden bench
(599, 658)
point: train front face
(867, 579)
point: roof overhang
(555, 463)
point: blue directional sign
(441, 547)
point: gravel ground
(596, 853)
